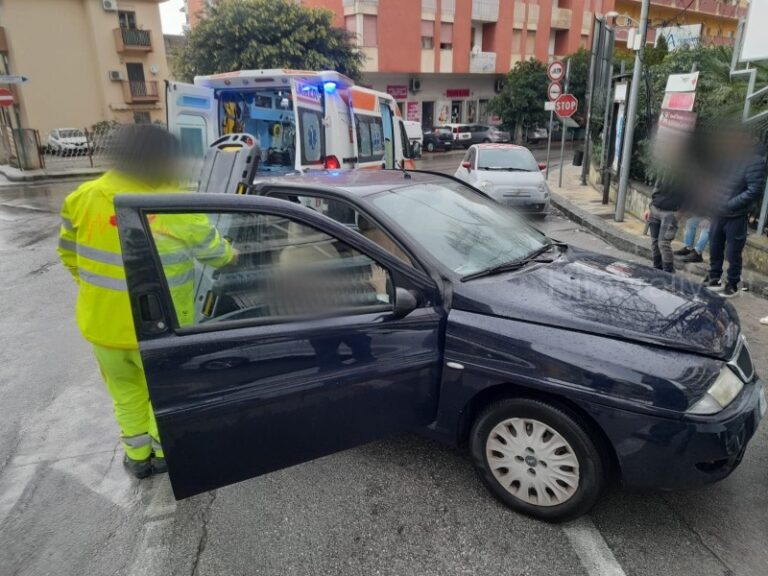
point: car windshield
(72, 133)
(462, 229)
(442, 131)
(513, 159)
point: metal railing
(133, 39)
(140, 91)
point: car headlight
(485, 185)
(720, 394)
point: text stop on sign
(566, 105)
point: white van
(302, 120)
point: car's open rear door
(262, 382)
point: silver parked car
(507, 173)
(68, 142)
(484, 133)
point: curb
(757, 285)
(15, 175)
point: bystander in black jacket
(742, 186)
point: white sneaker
(764, 320)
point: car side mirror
(467, 164)
(405, 303)
(542, 166)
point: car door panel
(234, 402)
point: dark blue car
(368, 303)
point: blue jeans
(690, 234)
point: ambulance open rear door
(310, 125)
(192, 115)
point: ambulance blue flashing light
(329, 87)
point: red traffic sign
(566, 105)
(6, 97)
(554, 91)
(556, 71)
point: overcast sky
(173, 18)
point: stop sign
(566, 105)
(6, 97)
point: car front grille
(742, 361)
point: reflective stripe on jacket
(89, 246)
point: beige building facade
(87, 61)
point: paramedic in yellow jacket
(89, 246)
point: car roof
(488, 146)
(356, 183)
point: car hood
(599, 294)
(511, 178)
(75, 140)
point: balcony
(140, 91)
(485, 10)
(561, 18)
(132, 40)
(360, 7)
(482, 62)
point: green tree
(254, 34)
(578, 79)
(521, 102)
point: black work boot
(138, 468)
(693, 257)
(684, 251)
(730, 291)
(158, 465)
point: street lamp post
(607, 78)
(629, 131)
(598, 26)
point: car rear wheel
(430, 146)
(537, 458)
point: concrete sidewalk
(583, 204)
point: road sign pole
(549, 143)
(629, 131)
(562, 140)
(597, 43)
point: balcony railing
(485, 10)
(140, 91)
(133, 40)
(712, 7)
(482, 62)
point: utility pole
(607, 77)
(562, 140)
(598, 26)
(629, 131)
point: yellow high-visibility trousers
(123, 374)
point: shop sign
(413, 111)
(397, 91)
(457, 93)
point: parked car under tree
(365, 304)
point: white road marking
(591, 548)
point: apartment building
(86, 60)
(713, 22)
(443, 60)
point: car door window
(261, 268)
(346, 214)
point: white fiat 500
(507, 173)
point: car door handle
(151, 312)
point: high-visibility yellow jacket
(89, 246)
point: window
(192, 135)
(346, 214)
(370, 138)
(258, 267)
(142, 118)
(126, 19)
(427, 35)
(446, 36)
(370, 33)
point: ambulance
(301, 120)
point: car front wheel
(537, 458)
(430, 147)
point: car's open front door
(319, 339)
(192, 116)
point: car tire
(570, 490)
(486, 140)
(430, 147)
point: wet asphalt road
(397, 507)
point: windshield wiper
(517, 263)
